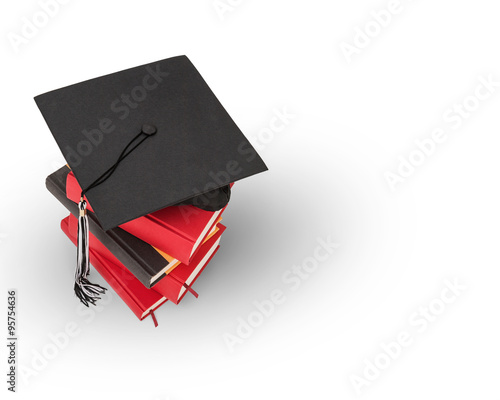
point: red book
(177, 230)
(172, 286)
(185, 275)
(141, 300)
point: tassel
(87, 292)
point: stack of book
(146, 180)
(148, 260)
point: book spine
(99, 265)
(127, 286)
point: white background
(352, 120)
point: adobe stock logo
(419, 322)
(222, 7)
(60, 340)
(122, 107)
(364, 36)
(280, 120)
(453, 118)
(291, 279)
(30, 27)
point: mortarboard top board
(195, 146)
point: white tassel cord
(87, 292)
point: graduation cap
(143, 139)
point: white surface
(326, 178)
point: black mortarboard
(197, 147)
(143, 139)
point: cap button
(149, 129)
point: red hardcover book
(176, 230)
(184, 275)
(141, 300)
(175, 284)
